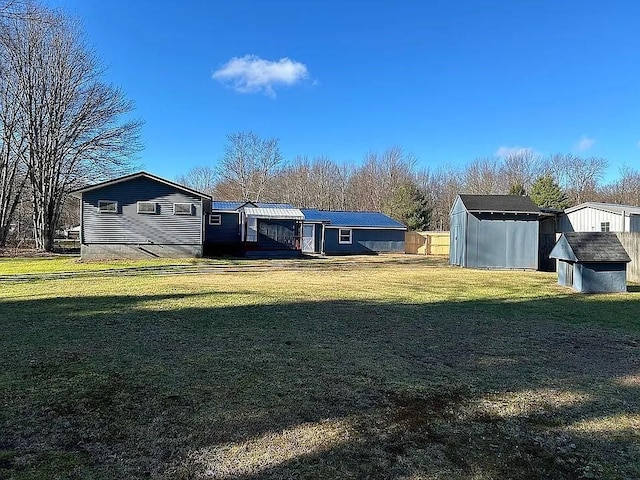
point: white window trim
(190, 212)
(101, 210)
(155, 208)
(602, 226)
(344, 242)
(219, 219)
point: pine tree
(517, 188)
(546, 193)
(409, 205)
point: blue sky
(447, 81)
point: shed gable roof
(499, 203)
(352, 219)
(607, 207)
(132, 176)
(589, 247)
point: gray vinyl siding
(129, 227)
(365, 241)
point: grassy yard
(397, 367)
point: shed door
(308, 237)
(569, 273)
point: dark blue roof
(272, 205)
(351, 219)
(224, 205)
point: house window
(183, 209)
(215, 219)
(107, 206)
(146, 207)
(344, 236)
(605, 227)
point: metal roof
(499, 203)
(352, 219)
(607, 207)
(587, 247)
(228, 205)
(272, 205)
(224, 205)
(136, 175)
(274, 213)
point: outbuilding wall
(458, 234)
(502, 241)
(588, 219)
(600, 277)
(565, 278)
(365, 241)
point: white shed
(600, 217)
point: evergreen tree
(546, 193)
(409, 205)
(517, 188)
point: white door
(308, 237)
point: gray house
(495, 231)
(591, 262)
(346, 232)
(141, 215)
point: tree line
(393, 182)
(61, 126)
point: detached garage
(591, 262)
(494, 231)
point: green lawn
(72, 263)
(383, 367)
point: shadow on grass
(126, 387)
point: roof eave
(79, 191)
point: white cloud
(584, 144)
(252, 74)
(504, 152)
(638, 143)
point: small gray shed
(494, 231)
(591, 262)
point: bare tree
(201, 179)
(249, 162)
(71, 120)
(372, 184)
(482, 177)
(441, 187)
(520, 169)
(12, 149)
(579, 177)
(624, 190)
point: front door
(308, 238)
